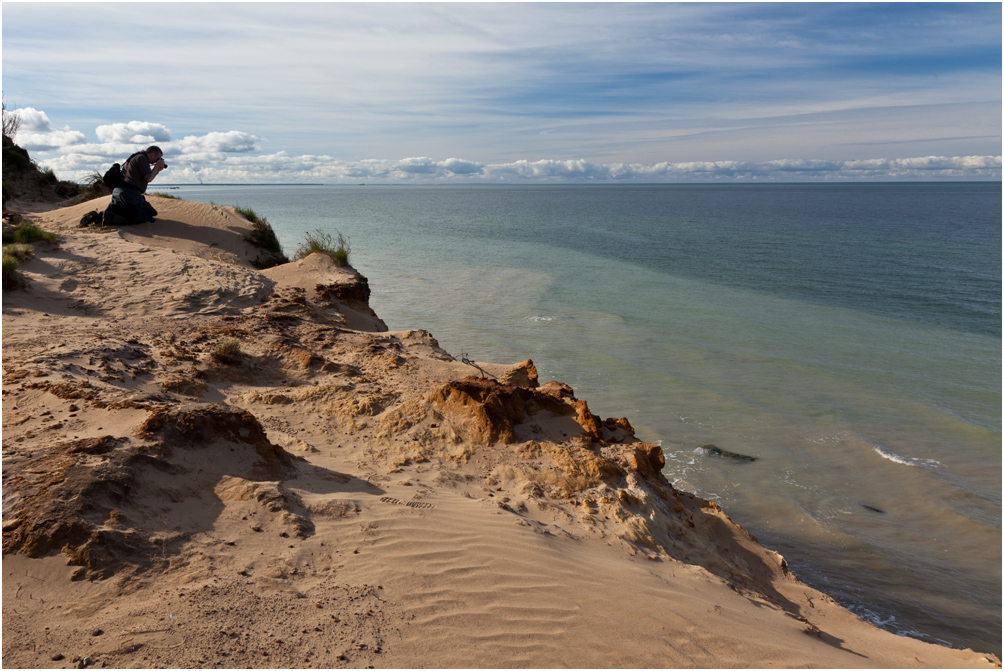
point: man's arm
(157, 167)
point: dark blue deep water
(930, 253)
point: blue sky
(510, 92)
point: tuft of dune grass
(262, 235)
(228, 351)
(19, 250)
(28, 232)
(319, 241)
(12, 277)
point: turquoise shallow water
(848, 336)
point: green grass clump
(13, 256)
(227, 351)
(262, 234)
(28, 232)
(319, 241)
(12, 278)
(19, 250)
(248, 214)
(165, 195)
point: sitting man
(128, 206)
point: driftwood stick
(464, 359)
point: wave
(890, 624)
(886, 453)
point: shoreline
(336, 465)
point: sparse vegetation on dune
(17, 249)
(27, 232)
(13, 255)
(12, 278)
(165, 195)
(262, 234)
(248, 214)
(318, 241)
(94, 186)
(227, 351)
(23, 178)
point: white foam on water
(906, 461)
(889, 623)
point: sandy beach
(335, 494)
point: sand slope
(338, 495)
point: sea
(846, 336)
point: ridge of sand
(339, 495)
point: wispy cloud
(496, 84)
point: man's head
(154, 153)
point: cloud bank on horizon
(512, 93)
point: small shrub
(12, 278)
(15, 160)
(29, 232)
(50, 176)
(319, 241)
(11, 122)
(94, 186)
(67, 189)
(228, 351)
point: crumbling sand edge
(323, 466)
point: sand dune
(340, 495)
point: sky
(348, 93)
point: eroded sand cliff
(339, 495)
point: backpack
(113, 177)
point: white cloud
(926, 163)
(215, 142)
(459, 166)
(231, 157)
(56, 139)
(417, 166)
(279, 167)
(136, 132)
(33, 120)
(37, 134)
